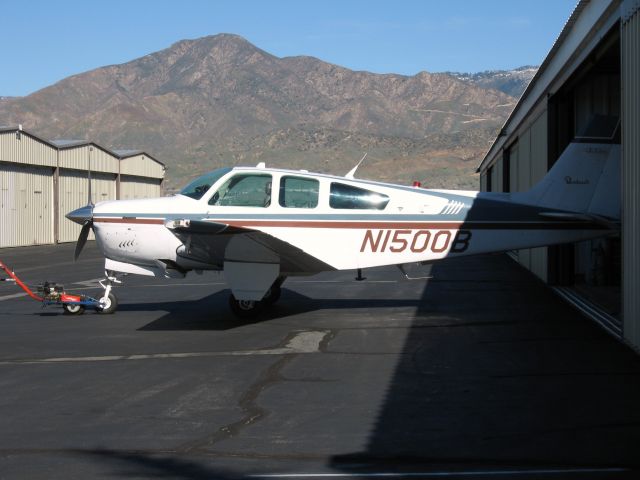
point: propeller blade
(82, 238)
(84, 217)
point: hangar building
(587, 90)
(42, 180)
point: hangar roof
(127, 153)
(124, 153)
(64, 144)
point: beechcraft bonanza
(260, 226)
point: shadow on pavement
(187, 315)
(525, 382)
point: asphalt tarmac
(478, 371)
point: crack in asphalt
(248, 403)
(293, 345)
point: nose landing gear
(108, 302)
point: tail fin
(585, 179)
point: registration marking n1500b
(417, 241)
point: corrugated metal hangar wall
(630, 39)
(586, 91)
(41, 181)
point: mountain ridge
(512, 82)
(201, 103)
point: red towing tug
(53, 294)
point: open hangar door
(587, 110)
(73, 193)
(26, 205)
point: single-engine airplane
(260, 225)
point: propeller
(83, 215)
(82, 239)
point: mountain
(219, 100)
(5, 99)
(511, 82)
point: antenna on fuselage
(352, 172)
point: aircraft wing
(215, 243)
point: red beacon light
(417, 184)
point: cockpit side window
(355, 198)
(244, 190)
(201, 185)
(298, 192)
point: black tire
(72, 309)
(245, 308)
(110, 307)
(272, 295)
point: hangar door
(26, 205)
(139, 187)
(73, 188)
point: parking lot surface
(475, 371)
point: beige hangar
(41, 180)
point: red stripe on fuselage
(142, 221)
(369, 224)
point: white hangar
(587, 90)
(42, 180)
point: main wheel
(272, 295)
(72, 309)
(110, 306)
(244, 308)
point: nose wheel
(108, 302)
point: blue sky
(46, 41)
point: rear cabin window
(244, 190)
(297, 192)
(349, 197)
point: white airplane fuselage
(261, 225)
(417, 225)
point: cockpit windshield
(201, 185)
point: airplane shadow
(213, 313)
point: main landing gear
(252, 308)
